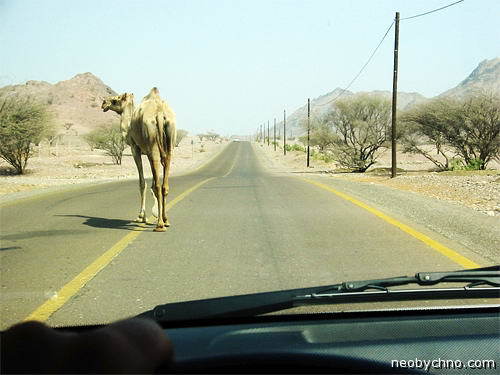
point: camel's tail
(161, 140)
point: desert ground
(75, 163)
(479, 190)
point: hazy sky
(230, 65)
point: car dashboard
(457, 339)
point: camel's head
(117, 103)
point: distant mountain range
(76, 102)
(485, 77)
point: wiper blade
(346, 292)
(478, 276)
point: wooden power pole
(394, 98)
(274, 142)
(268, 132)
(308, 127)
(284, 132)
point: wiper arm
(478, 276)
(346, 292)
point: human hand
(127, 346)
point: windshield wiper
(479, 283)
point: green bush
(109, 139)
(295, 147)
(473, 165)
(23, 123)
(327, 158)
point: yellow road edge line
(435, 245)
(63, 295)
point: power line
(432, 11)
(376, 48)
(361, 71)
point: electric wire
(431, 11)
(361, 70)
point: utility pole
(274, 142)
(308, 127)
(268, 132)
(284, 132)
(394, 97)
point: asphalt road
(241, 230)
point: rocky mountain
(485, 77)
(76, 103)
(324, 103)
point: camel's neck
(126, 117)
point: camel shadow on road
(102, 222)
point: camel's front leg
(154, 161)
(136, 152)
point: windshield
(162, 152)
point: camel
(149, 129)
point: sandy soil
(75, 164)
(479, 190)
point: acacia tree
(470, 128)
(321, 134)
(23, 123)
(360, 126)
(107, 138)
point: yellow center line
(435, 245)
(232, 166)
(63, 295)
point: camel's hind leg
(154, 161)
(136, 152)
(165, 185)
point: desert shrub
(326, 157)
(359, 126)
(468, 127)
(321, 132)
(210, 136)
(295, 147)
(23, 123)
(107, 138)
(458, 164)
(181, 134)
